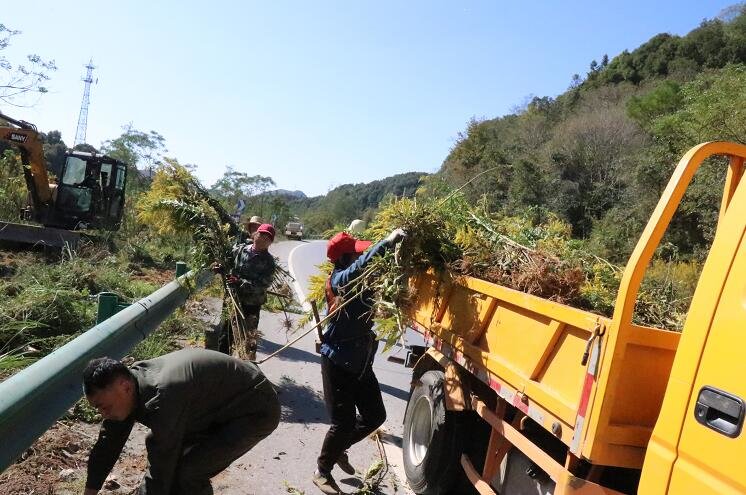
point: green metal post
(181, 268)
(107, 306)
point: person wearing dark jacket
(204, 410)
(348, 347)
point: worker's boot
(326, 483)
(344, 464)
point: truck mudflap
(506, 436)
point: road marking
(296, 284)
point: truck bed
(545, 358)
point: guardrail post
(181, 268)
(107, 306)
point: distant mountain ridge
(284, 192)
(336, 208)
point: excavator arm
(28, 140)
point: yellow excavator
(88, 194)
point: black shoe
(344, 464)
(326, 483)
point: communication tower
(83, 116)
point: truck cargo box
(545, 358)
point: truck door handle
(720, 411)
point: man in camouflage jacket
(253, 273)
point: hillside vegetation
(599, 154)
(345, 203)
(551, 200)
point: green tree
(662, 100)
(143, 150)
(85, 147)
(234, 185)
(711, 108)
(279, 210)
(706, 45)
(527, 187)
(54, 151)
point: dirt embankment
(56, 463)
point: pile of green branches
(532, 252)
(177, 204)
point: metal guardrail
(34, 398)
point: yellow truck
(524, 395)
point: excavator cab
(89, 193)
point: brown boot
(326, 483)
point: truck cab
(697, 445)
(294, 230)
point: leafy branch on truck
(533, 253)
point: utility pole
(83, 116)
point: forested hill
(347, 202)
(600, 153)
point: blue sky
(318, 94)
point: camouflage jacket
(256, 271)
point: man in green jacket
(204, 410)
(252, 275)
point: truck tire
(432, 444)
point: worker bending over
(204, 410)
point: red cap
(343, 243)
(267, 229)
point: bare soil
(56, 463)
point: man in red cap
(347, 351)
(253, 273)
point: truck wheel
(431, 445)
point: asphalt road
(288, 457)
